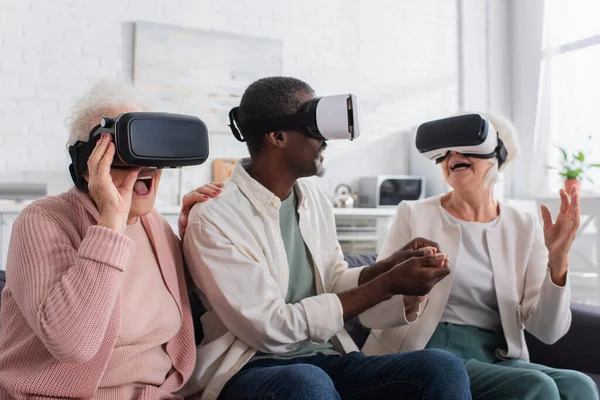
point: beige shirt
(149, 318)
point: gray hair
(104, 98)
(507, 132)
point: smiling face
(466, 172)
(145, 189)
(304, 154)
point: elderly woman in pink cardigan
(95, 304)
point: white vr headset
(325, 118)
(471, 135)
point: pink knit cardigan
(60, 313)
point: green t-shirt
(301, 275)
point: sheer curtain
(568, 111)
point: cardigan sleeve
(66, 294)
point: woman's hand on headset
(113, 202)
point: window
(570, 83)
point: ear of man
(277, 139)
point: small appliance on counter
(344, 197)
(389, 190)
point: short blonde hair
(104, 98)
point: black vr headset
(325, 118)
(144, 139)
(471, 135)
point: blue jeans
(425, 374)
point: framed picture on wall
(200, 72)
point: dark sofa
(576, 350)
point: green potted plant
(574, 169)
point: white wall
(485, 66)
(526, 22)
(400, 57)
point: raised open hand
(559, 234)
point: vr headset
(144, 139)
(471, 135)
(325, 118)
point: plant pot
(569, 183)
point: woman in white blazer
(508, 274)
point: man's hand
(414, 248)
(418, 247)
(411, 303)
(417, 275)
(421, 243)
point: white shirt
(236, 256)
(527, 297)
(472, 299)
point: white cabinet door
(6, 222)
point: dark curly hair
(268, 98)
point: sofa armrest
(577, 349)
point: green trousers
(493, 378)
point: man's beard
(320, 169)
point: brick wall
(399, 56)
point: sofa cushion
(575, 350)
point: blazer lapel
(448, 239)
(449, 244)
(500, 242)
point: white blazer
(527, 297)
